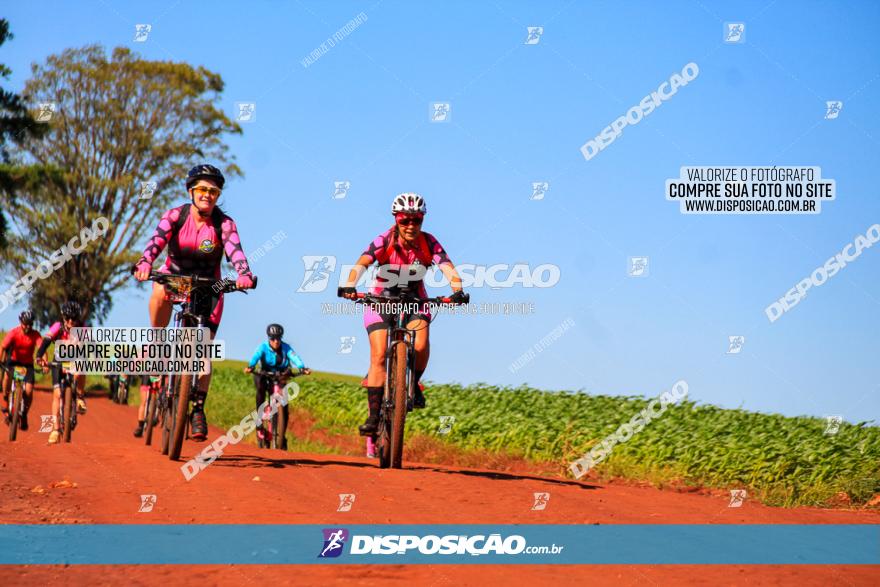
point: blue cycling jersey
(271, 361)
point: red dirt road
(111, 470)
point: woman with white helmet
(404, 249)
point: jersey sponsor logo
(206, 246)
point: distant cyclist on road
(399, 249)
(71, 317)
(17, 350)
(197, 235)
(273, 355)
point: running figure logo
(334, 540)
(317, 275)
(734, 32)
(147, 189)
(737, 497)
(833, 108)
(341, 190)
(541, 500)
(346, 344)
(440, 112)
(246, 111)
(832, 425)
(147, 503)
(141, 32)
(45, 423)
(534, 35)
(539, 189)
(446, 423)
(638, 267)
(46, 112)
(346, 500)
(735, 344)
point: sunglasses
(272, 339)
(408, 221)
(203, 191)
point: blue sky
(520, 114)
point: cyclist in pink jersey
(404, 250)
(197, 235)
(71, 316)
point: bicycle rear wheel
(68, 407)
(399, 393)
(181, 410)
(14, 401)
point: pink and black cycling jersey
(426, 253)
(196, 251)
(56, 332)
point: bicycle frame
(183, 317)
(188, 291)
(66, 382)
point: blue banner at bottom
(441, 544)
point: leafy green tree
(118, 122)
(15, 123)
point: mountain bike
(400, 377)
(192, 294)
(275, 432)
(68, 398)
(16, 398)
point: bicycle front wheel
(166, 405)
(14, 401)
(399, 394)
(68, 408)
(181, 410)
(150, 413)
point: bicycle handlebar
(279, 374)
(376, 298)
(197, 280)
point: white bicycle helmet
(408, 203)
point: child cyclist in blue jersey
(273, 355)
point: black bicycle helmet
(274, 331)
(71, 310)
(204, 171)
(26, 317)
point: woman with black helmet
(197, 235)
(71, 316)
(17, 350)
(273, 355)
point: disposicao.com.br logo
(453, 544)
(320, 270)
